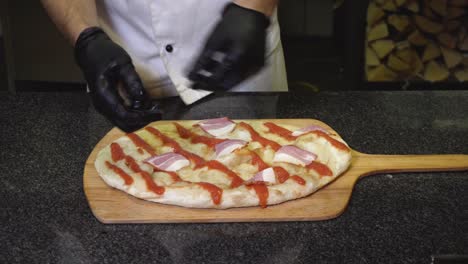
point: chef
(132, 51)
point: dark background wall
(3, 70)
(42, 54)
(3, 76)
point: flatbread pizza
(220, 163)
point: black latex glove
(234, 51)
(106, 67)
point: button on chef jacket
(164, 38)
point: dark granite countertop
(392, 218)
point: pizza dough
(239, 167)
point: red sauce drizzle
(139, 142)
(210, 142)
(132, 164)
(216, 165)
(215, 191)
(281, 174)
(280, 131)
(116, 152)
(256, 137)
(186, 133)
(127, 179)
(175, 177)
(167, 141)
(334, 142)
(298, 179)
(183, 132)
(197, 160)
(150, 184)
(140, 151)
(256, 160)
(262, 192)
(285, 133)
(320, 168)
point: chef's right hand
(107, 66)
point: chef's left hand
(234, 51)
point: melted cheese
(215, 177)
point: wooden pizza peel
(113, 206)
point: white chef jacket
(164, 37)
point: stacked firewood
(417, 40)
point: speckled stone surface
(392, 218)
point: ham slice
(267, 175)
(308, 129)
(228, 146)
(294, 155)
(168, 162)
(217, 127)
